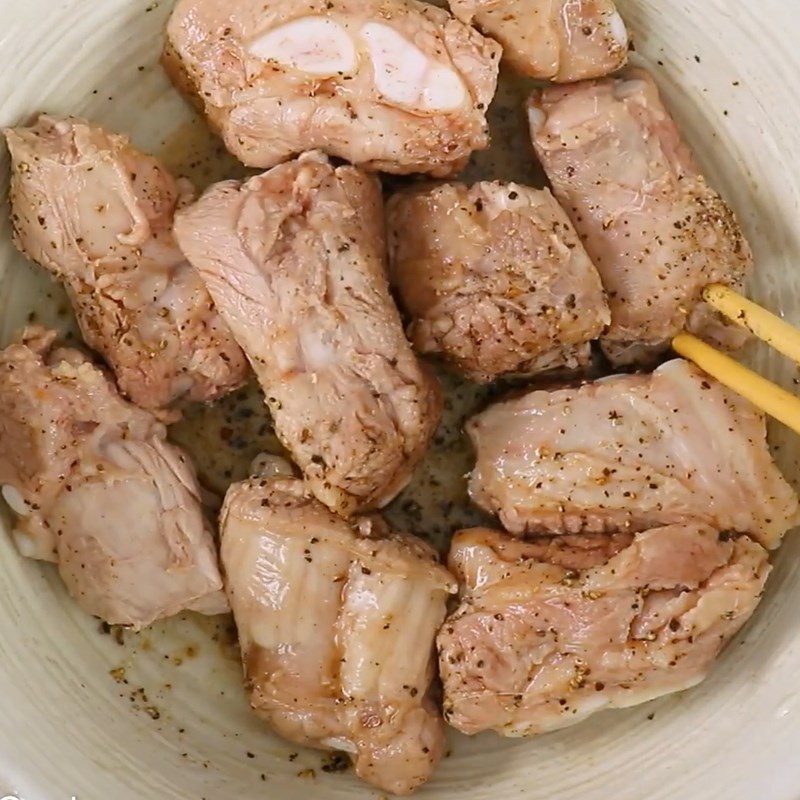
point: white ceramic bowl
(68, 728)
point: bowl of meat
(373, 417)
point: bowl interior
(162, 715)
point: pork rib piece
(97, 489)
(558, 40)
(295, 262)
(98, 214)
(386, 84)
(657, 233)
(631, 452)
(494, 278)
(336, 625)
(550, 631)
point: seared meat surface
(558, 40)
(657, 233)
(494, 278)
(98, 214)
(336, 625)
(295, 262)
(629, 453)
(97, 488)
(386, 84)
(552, 630)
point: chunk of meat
(557, 40)
(631, 452)
(543, 639)
(657, 233)
(97, 488)
(386, 84)
(294, 260)
(494, 278)
(336, 626)
(98, 214)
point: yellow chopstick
(761, 323)
(764, 394)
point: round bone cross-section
(395, 86)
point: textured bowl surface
(161, 715)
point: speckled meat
(551, 631)
(295, 261)
(336, 625)
(494, 278)
(657, 233)
(629, 453)
(97, 488)
(98, 214)
(558, 40)
(390, 85)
